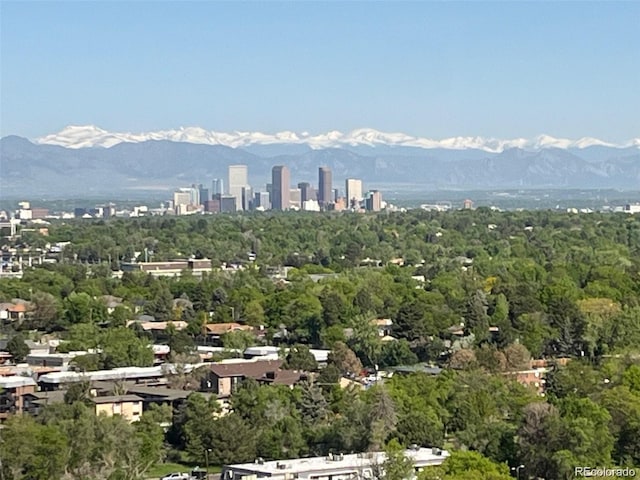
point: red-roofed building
(13, 311)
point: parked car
(177, 476)
(196, 474)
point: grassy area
(166, 468)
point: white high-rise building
(353, 188)
(238, 180)
(182, 197)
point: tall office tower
(324, 186)
(204, 194)
(247, 198)
(373, 202)
(238, 179)
(217, 187)
(353, 188)
(280, 181)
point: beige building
(129, 406)
(238, 181)
(353, 189)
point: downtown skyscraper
(353, 190)
(280, 187)
(325, 189)
(238, 183)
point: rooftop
(261, 351)
(246, 369)
(220, 328)
(116, 399)
(161, 393)
(48, 398)
(16, 381)
(421, 457)
(124, 373)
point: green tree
(344, 360)
(32, 451)
(333, 307)
(122, 348)
(397, 353)
(238, 340)
(232, 440)
(312, 405)
(46, 312)
(82, 308)
(160, 303)
(397, 465)
(467, 466)
(300, 358)
(382, 418)
(18, 348)
(193, 426)
(517, 357)
(78, 392)
(179, 341)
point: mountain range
(88, 161)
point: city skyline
(283, 193)
(435, 69)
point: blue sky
(432, 69)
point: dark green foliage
(300, 358)
(18, 348)
(397, 353)
(567, 288)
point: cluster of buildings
(280, 194)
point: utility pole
(206, 459)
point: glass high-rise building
(325, 189)
(280, 187)
(217, 187)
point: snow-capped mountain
(76, 160)
(92, 136)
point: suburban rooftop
(421, 457)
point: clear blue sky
(504, 69)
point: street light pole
(517, 470)
(206, 459)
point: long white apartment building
(333, 467)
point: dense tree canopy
(480, 294)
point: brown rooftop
(220, 328)
(255, 370)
